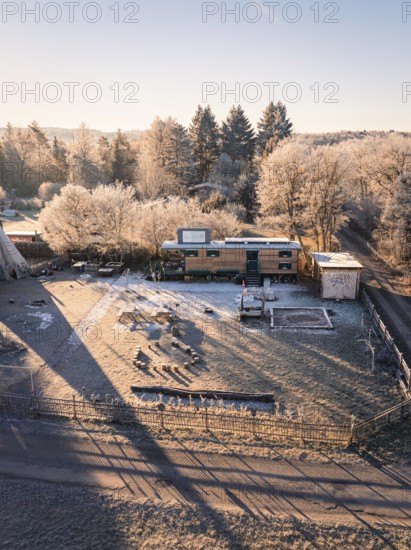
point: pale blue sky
(171, 53)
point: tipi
(12, 263)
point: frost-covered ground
(325, 372)
(75, 341)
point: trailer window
(213, 253)
(285, 254)
(191, 253)
(285, 265)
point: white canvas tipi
(12, 263)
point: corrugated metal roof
(261, 240)
(248, 245)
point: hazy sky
(346, 74)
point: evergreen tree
(103, 150)
(122, 160)
(3, 161)
(238, 140)
(83, 159)
(39, 135)
(177, 152)
(273, 127)
(59, 154)
(204, 133)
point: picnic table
(163, 313)
(131, 313)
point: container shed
(338, 274)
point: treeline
(305, 184)
(315, 188)
(166, 159)
(109, 221)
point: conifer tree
(204, 133)
(177, 152)
(238, 140)
(122, 161)
(273, 127)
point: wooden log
(209, 394)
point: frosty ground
(75, 343)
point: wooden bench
(128, 314)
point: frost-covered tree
(158, 221)
(237, 136)
(389, 160)
(115, 211)
(83, 159)
(222, 223)
(204, 134)
(279, 189)
(153, 180)
(18, 147)
(273, 127)
(67, 222)
(324, 196)
(165, 162)
(394, 234)
(48, 189)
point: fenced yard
(310, 372)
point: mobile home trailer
(253, 259)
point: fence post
(74, 407)
(352, 430)
(161, 408)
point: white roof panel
(336, 260)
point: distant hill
(338, 137)
(67, 134)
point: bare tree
(324, 196)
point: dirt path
(377, 278)
(144, 470)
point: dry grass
(43, 516)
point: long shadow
(394, 308)
(152, 452)
(55, 340)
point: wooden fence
(405, 370)
(382, 420)
(261, 425)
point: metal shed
(338, 273)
